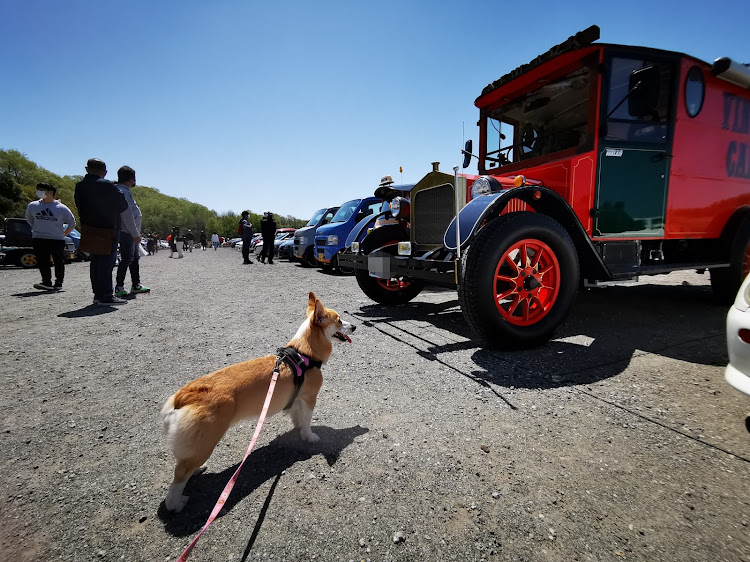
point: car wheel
(388, 291)
(341, 269)
(519, 280)
(27, 260)
(726, 281)
(308, 258)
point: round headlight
(395, 206)
(400, 208)
(481, 186)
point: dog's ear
(320, 316)
(311, 299)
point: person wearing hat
(50, 222)
(268, 230)
(246, 230)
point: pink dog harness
(299, 364)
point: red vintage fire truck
(598, 163)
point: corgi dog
(197, 416)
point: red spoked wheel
(519, 279)
(394, 284)
(527, 282)
(388, 291)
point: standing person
(246, 230)
(190, 239)
(268, 230)
(100, 206)
(151, 244)
(48, 218)
(215, 241)
(203, 240)
(177, 240)
(130, 256)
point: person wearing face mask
(50, 222)
(129, 237)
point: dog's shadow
(262, 464)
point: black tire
(486, 300)
(308, 258)
(726, 281)
(394, 291)
(339, 268)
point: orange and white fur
(196, 417)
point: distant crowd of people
(110, 220)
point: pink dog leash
(228, 488)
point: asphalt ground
(618, 440)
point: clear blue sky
(290, 105)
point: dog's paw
(176, 503)
(309, 436)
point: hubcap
(393, 284)
(527, 282)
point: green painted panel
(631, 191)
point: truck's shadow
(605, 330)
(263, 464)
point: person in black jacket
(246, 230)
(268, 230)
(101, 205)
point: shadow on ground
(605, 330)
(262, 464)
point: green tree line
(19, 176)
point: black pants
(129, 260)
(43, 249)
(267, 251)
(246, 247)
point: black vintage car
(16, 247)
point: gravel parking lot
(620, 440)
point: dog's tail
(170, 419)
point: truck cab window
(623, 121)
(548, 119)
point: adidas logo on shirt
(45, 215)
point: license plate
(321, 256)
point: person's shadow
(89, 310)
(262, 464)
(32, 294)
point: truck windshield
(316, 217)
(551, 118)
(346, 211)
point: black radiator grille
(433, 210)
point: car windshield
(346, 211)
(316, 217)
(553, 117)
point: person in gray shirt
(129, 248)
(50, 222)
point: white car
(737, 372)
